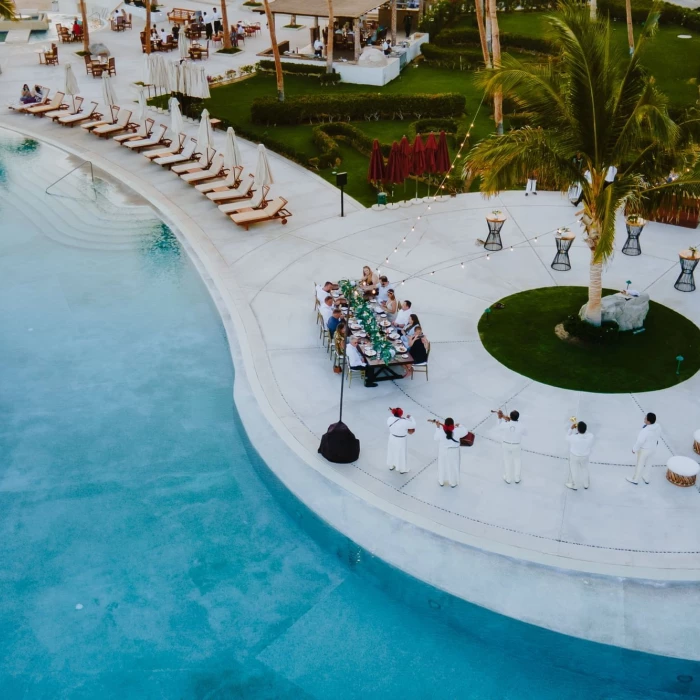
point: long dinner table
(401, 357)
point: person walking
(644, 448)
(531, 187)
(400, 427)
(407, 21)
(580, 446)
(208, 26)
(447, 436)
(511, 432)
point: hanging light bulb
(387, 260)
(488, 257)
(428, 207)
(462, 264)
(396, 250)
(535, 239)
(511, 249)
(419, 218)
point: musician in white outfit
(580, 446)
(511, 433)
(644, 448)
(447, 436)
(400, 427)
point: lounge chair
(202, 163)
(144, 132)
(24, 107)
(138, 144)
(41, 109)
(76, 109)
(73, 119)
(231, 181)
(243, 191)
(122, 124)
(88, 126)
(171, 150)
(187, 154)
(274, 210)
(216, 169)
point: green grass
(521, 336)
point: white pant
(511, 461)
(531, 186)
(578, 471)
(643, 464)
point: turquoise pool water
(147, 552)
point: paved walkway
(265, 277)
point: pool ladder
(70, 172)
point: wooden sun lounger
(101, 122)
(143, 132)
(231, 181)
(138, 144)
(187, 154)
(63, 112)
(274, 210)
(229, 194)
(216, 169)
(164, 151)
(202, 163)
(73, 119)
(122, 124)
(41, 109)
(24, 107)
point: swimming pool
(147, 551)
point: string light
(488, 257)
(462, 264)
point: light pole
(341, 179)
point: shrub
(453, 57)
(329, 78)
(670, 14)
(605, 334)
(330, 152)
(355, 107)
(297, 68)
(439, 15)
(425, 126)
(468, 36)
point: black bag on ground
(339, 444)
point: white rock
(628, 312)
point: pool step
(18, 36)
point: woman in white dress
(400, 428)
(447, 436)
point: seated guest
(402, 317)
(322, 291)
(27, 95)
(77, 29)
(391, 305)
(418, 346)
(339, 344)
(383, 289)
(409, 329)
(357, 361)
(334, 320)
(370, 280)
(386, 47)
(326, 309)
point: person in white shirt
(322, 291)
(326, 309)
(356, 360)
(318, 48)
(511, 432)
(215, 19)
(383, 289)
(400, 427)
(386, 47)
(447, 436)
(644, 448)
(531, 187)
(403, 317)
(580, 446)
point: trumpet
(574, 422)
(502, 415)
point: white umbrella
(183, 45)
(232, 156)
(143, 108)
(204, 135)
(203, 85)
(147, 69)
(177, 125)
(160, 71)
(71, 87)
(263, 176)
(108, 95)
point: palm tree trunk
(331, 36)
(224, 22)
(148, 25)
(496, 48)
(594, 9)
(358, 44)
(86, 32)
(630, 30)
(482, 32)
(393, 22)
(421, 10)
(275, 51)
(593, 311)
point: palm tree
(393, 22)
(630, 30)
(86, 31)
(482, 32)
(7, 9)
(496, 49)
(224, 22)
(147, 30)
(275, 51)
(331, 33)
(595, 103)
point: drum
(682, 471)
(696, 442)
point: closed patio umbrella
(418, 160)
(442, 156)
(71, 87)
(232, 155)
(143, 108)
(202, 84)
(377, 168)
(108, 94)
(393, 173)
(263, 176)
(430, 155)
(183, 45)
(405, 161)
(204, 135)
(177, 125)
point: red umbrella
(418, 160)
(393, 174)
(377, 169)
(406, 157)
(430, 153)
(442, 157)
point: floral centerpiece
(362, 311)
(496, 213)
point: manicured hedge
(670, 14)
(425, 126)
(470, 36)
(298, 68)
(355, 107)
(453, 57)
